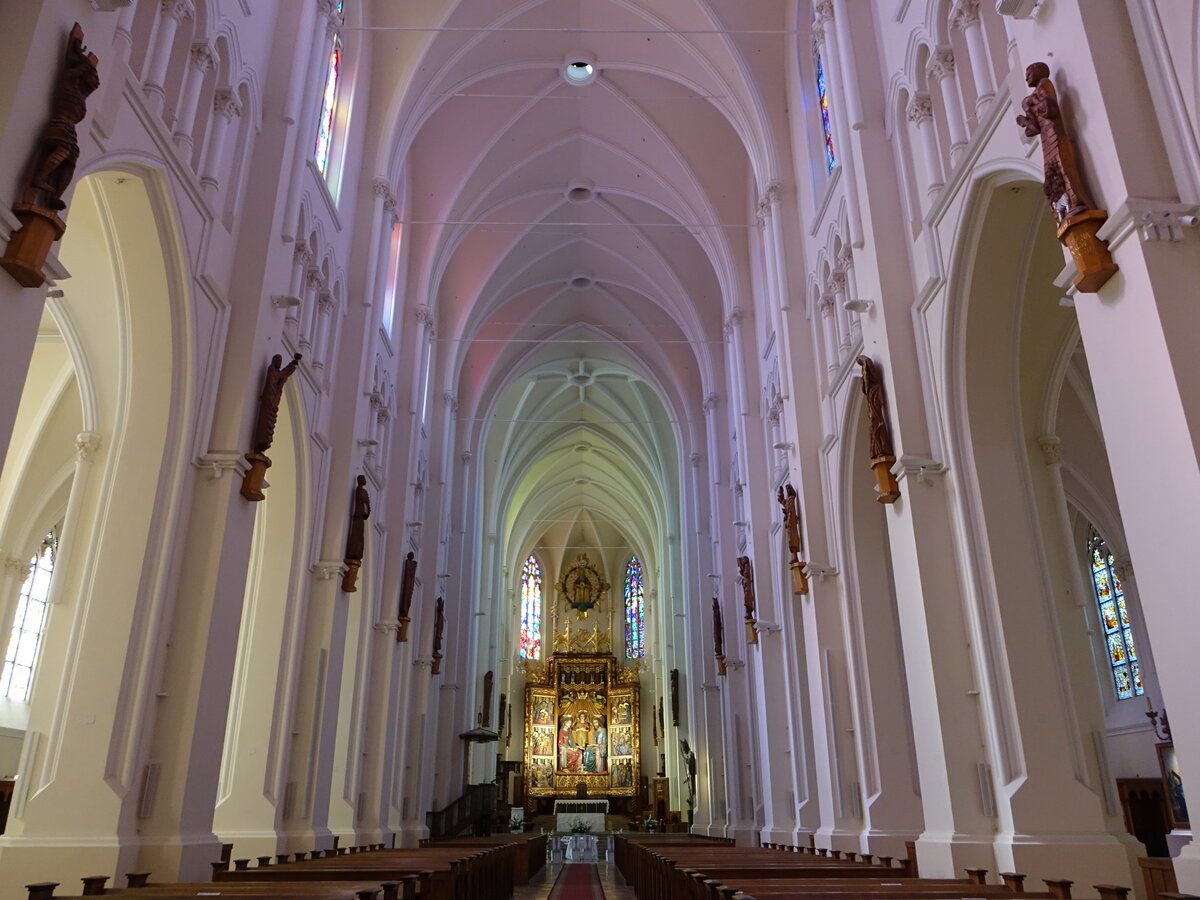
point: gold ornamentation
(582, 586)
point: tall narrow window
(1114, 620)
(16, 678)
(826, 127)
(531, 610)
(329, 99)
(635, 623)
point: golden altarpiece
(581, 725)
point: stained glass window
(823, 96)
(16, 678)
(635, 623)
(531, 610)
(1114, 621)
(329, 99)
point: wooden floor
(539, 886)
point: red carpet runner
(577, 881)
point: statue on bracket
(1077, 219)
(407, 584)
(746, 576)
(264, 426)
(582, 586)
(356, 537)
(882, 454)
(718, 636)
(52, 166)
(439, 625)
(791, 528)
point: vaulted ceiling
(580, 244)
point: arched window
(16, 678)
(329, 98)
(635, 623)
(1114, 620)
(823, 98)
(531, 610)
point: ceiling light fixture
(579, 69)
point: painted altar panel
(581, 715)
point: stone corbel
(767, 627)
(386, 627)
(217, 464)
(422, 663)
(735, 663)
(820, 572)
(921, 468)
(326, 569)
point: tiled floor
(539, 887)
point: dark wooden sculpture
(439, 625)
(1077, 219)
(882, 454)
(675, 697)
(718, 636)
(264, 426)
(356, 536)
(746, 575)
(488, 680)
(791, 529)
(407, 583)
(52, 167)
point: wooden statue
(718, 636)
(407, 583)
(689, 775)
(264, 426)
(675, 697)
(746, 576)
(488, 680)
(791, 529)
(439, 625)
(356, 537)
(52, 166)
(882, 454)
(1077, 219)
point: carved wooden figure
(675, 697)
(718, 636)
(407, 584)
(264, 426)
(439, 626)
(488, 680)
(356, 536)
(882, 454)
(1077, 219)
(746, 575)
(791, 529)
(52, 167)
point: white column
(941, 70)
(920, 113)
(325, 307)
(174, 13)
(124, 31)
(301, 260)
(225, 108)
(313, 283)
(965, 17)
(200, 61)
(829, 329)
(837, 283)
(845, 262)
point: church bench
(301, 890)
(454, 873)
(529, 856)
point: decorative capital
(837, 281)
(920, 109)
(694, 459)
(325, 303)
(86, 445)
(202, 56)
(381, 188)
(823, 11)
(733, 320)
(314, 278)
(1051, 449)
(179, 10)
(845, 259)
(425, 316)
(451, 400)
(465, 456)
(226, 104)
(14, 565)
(825, 305)
(964, 14)
(941, 63)
(302, 255)
(710, 403)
